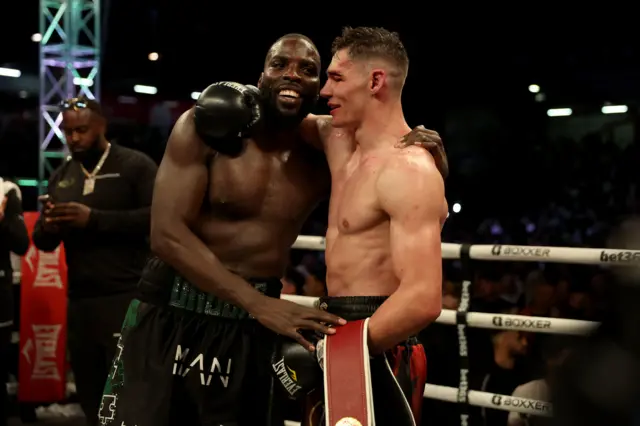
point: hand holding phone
(47, 208)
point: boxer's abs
(359, 264)
(358, 253)
(248, 247)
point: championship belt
(347, 376)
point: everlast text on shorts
(620, 257)
(522, 251)
(521, 323)
(541, 407)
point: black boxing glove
(298, 371)
(225, 113)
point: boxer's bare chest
(278, 185)
(354, 202)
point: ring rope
(493, 321)
(461, 318)
(490, 400)
(509, 253)
(484, 399)
(490, 321)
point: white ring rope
(490, 321)
(483, 399)
(494, 321)
(490, 400)
(501, 252)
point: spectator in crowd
(512, 288)
(98, 205)
(542, 297)
(503, 375)
(578, 303)
(315, 282)
(555, 353)
(309, 280)
(13, 239)
(487, 290)
(293, 282)
(450, 295)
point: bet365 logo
(620, 256)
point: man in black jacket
(98, 205)
(13, 239)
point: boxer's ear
(378, 79)
(260, 80)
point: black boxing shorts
(187, 358)
(407, 360)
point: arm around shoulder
(312, 128)
(337, 145)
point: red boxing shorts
(407, 361)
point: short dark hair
(294, 36)
(297, 36)
(373, 42)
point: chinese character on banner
(43, 322)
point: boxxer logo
(182, 368)
(521, 323)
(522, 251)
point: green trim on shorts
(188, 297)
(115, 380)
(116, 377)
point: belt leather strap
(347, 376)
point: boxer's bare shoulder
(412, 170)
(374, 194)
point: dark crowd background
(518, 176)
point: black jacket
(13, 238)
(106, 257)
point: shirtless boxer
(226, 210)
(386, 212)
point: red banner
(43, 323)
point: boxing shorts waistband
(162, 285)
(352, 308)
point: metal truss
(69, 67)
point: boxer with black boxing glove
(195, 349)
(225, 113)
